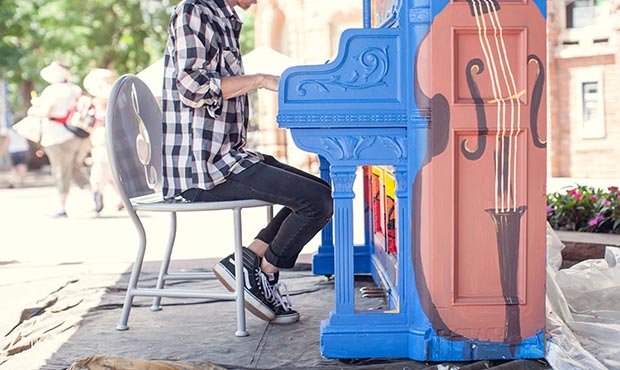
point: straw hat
(99, 81)
(56, 72)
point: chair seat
(153, 202)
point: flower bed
(585, 208)
(586, 220)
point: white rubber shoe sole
(253, 304)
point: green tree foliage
(247, 32)
(122, 35)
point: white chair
(134, 143)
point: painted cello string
(490, 59)
(514, 96)
(512, 141)
(506, 171)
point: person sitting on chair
(205, 123)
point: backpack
(81, 116)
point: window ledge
(579, 51)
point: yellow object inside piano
(383, 205)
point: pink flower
(613, 189)
(593, 198)
(606, 202)
(596, 220)
(575, 193)
(549, 209)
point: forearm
(234, 86)
(238, 85)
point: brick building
(583, 72)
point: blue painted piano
(442, 103)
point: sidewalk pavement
(63, 283)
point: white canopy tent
(267, 60)
(153, 77)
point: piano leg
(323, 260)
(403, 239)
(347, 334)
(343, 195)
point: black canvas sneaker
(281, 304)
(255, 290)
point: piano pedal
(373, 292)
(376, 292)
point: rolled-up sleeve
(198, 55)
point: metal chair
(134, 142)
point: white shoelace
(272, 293)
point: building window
(589, 114)
(582, 13)
(586, 22)
(577, 14)
(591, 97)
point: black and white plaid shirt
(203, 134)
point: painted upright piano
(442, 104)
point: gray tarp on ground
(77, 320)
(197, 333)
(583, 310)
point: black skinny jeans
(307, 202)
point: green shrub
(585, 208)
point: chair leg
(239, 292)
(135, 273)
(269, 213)
(163, 271)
